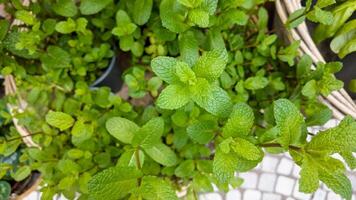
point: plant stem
(137, 157)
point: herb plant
(222, 90)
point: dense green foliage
(221, 90)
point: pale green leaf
(240, 121)
(21, 173)
(190, 3)
(255, 83)
(185, 169)
(149, 134)
(310, 89)
(173, 97)
(164, 68)
(89, 7)
(59, 120)
(210, 65)
(142, 11)
(113, 183)
(224, 166)
(162, 154)
(173, 16)
(65, 8)
(122, 129)
(289, 122)
(188, 47)
(155, 188)
(202, 132)
(247, 150)
(309, 178)
(199, 17)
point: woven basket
(339, 101)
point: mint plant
(217, 89)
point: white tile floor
(276, 178)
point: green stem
(278, 145)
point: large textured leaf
(162, 154)
(173, 16)
(173, 97)
(59, 120)
(154, 188)
(149, 134)
(289, 122)
(65, 8)
(212, 98)
(309, 179)
(199, 17)
(202, 132)
(122, 129)
(89, 7)
(164, 68)
(240, 122)
(247, 150)
(210, 65)
(188, 47)
(224, 165)
(142, 11)
(113, 183)
(335, 140)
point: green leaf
(164, 68)
(185, 73)
(343, 37)
(4, 27)
(199, 17)
(173, 16)
(324, 3)
(173, 97)
(296, 18)
(65, 8)
(322, 16)
(55, 58)
(142, 11)
(289, 122)
(240, 121)
(246, 149)
(335, 140)
(150, 134)
(5, 190)
(289, 53)
(122, 129)
(210, 65)
(26, 17)
(224, 166)
(304, 65)
(348, 48)
(185, 169)
(190, 3)
(309, 178)
(210, 6)
(154, 188)
(21, 173)
(329, 83)
(310, 89)
(113, 183)
(202, 132)
(59, 120)
(162, 154)
(124, 25)
(212, 98)
(255, 83)
(66, 27)
(352, 85)
(188, 47)
(90, 7)
(349, 158)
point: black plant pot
(111, 76)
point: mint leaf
(90, 7)
(309, 178)
(335, 140)
(247, 150)
(124, 25)
(4, 27)
(162, 154)
(212, 98)
(122, 179)
(322, 16)
(122, 129)
(185, 169)
(21, 173)
(349, 158)
(142, 11)
(5, 190)
(173, 97)
(149, 134)
(255, 83)
(59, 120)
(173, 15)
(199, 17)
(185, 73)
(304, 66)
(65, 8)
(224, 166)
(289, 122)
(310, 89)
(154, 188)
(164, 68)
(202, 132)
(210, 6)
(188, 47)
(26, 17)
(210, 65)
(240, 121)
(55, 58)
(66, 27)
